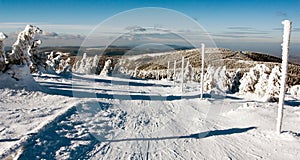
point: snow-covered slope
(92, 117)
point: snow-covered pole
(284, 68)
(202, 69)
(182, 73)
(168, 69)
(174, 76)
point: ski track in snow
(163, 125)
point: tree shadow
(292, 133)
(116, 82)
(9, 140)
(293, 103)
(200, 135)
(68, 90)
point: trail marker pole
(182, 73)
(284, 67)
(202, 69)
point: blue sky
(237, 24)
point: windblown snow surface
(92, 117)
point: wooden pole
(284, 68)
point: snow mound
(18, 77)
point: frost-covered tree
(87, 65)
(188, 72)
(2, 53)
(235, 81)
(22, 47)
(273, 88)
(81, 65)
(261, 85)
(208, 79)
(57, 64)
(94, 68)
(38, 59)
(64, 66)
(295, 90)
(106, 69)
(136, 72)
(250, 79)
(222, 79)
(17, 72)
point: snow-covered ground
(92, 117)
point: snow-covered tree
(64, 66)
(22, 47)
(295, 90)
(188, 72)
(136, 72)
(106, 69)
(235, 81)
(17, 71)
(38, 59)
(222, 79)
(94, 68)
(208, 79)
(87, 65)
(273, 88)
(261, 85)
(250, 79)
(81, 65)
(2, 53)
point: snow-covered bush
(250, 79)
(18, 76)
(273, 88)
(2, 54)
(295, 90)
(106, 69)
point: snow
(92, 117)
(18, 77)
